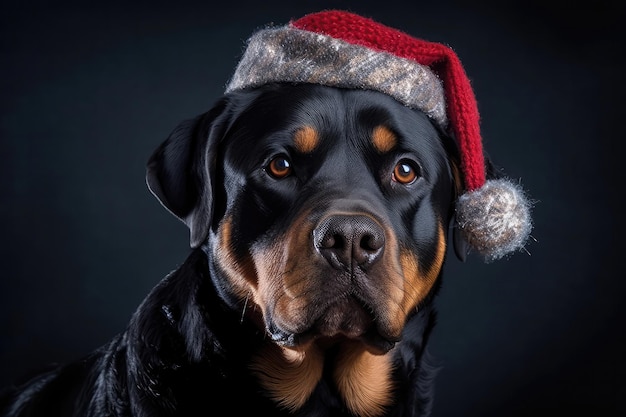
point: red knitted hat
(342, 49)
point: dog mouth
(346, 319)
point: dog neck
(362, 379)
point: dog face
(324, 211)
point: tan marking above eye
(306, 139)
(421, 281)
(383, 139)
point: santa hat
(342, 49)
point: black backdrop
(88, 91)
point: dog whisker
(245, 307)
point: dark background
(87, 91)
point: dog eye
(405, 172)
(279, 167)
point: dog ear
(181, 171)
(460, 245)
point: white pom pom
(495, 219)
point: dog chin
(372, 341)
(348, 321)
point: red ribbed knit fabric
(462, 109)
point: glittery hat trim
(291, 55)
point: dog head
(326, 209)
(321, 187)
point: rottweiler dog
(319, 230)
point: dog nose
(344, 240)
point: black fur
(187, 349)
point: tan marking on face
(270, 264)
(241, 272)
(419, 283)
(363, 380)
(383, 139)
(393, 292)
(288, 275)
(289, 376)
(306, 139)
